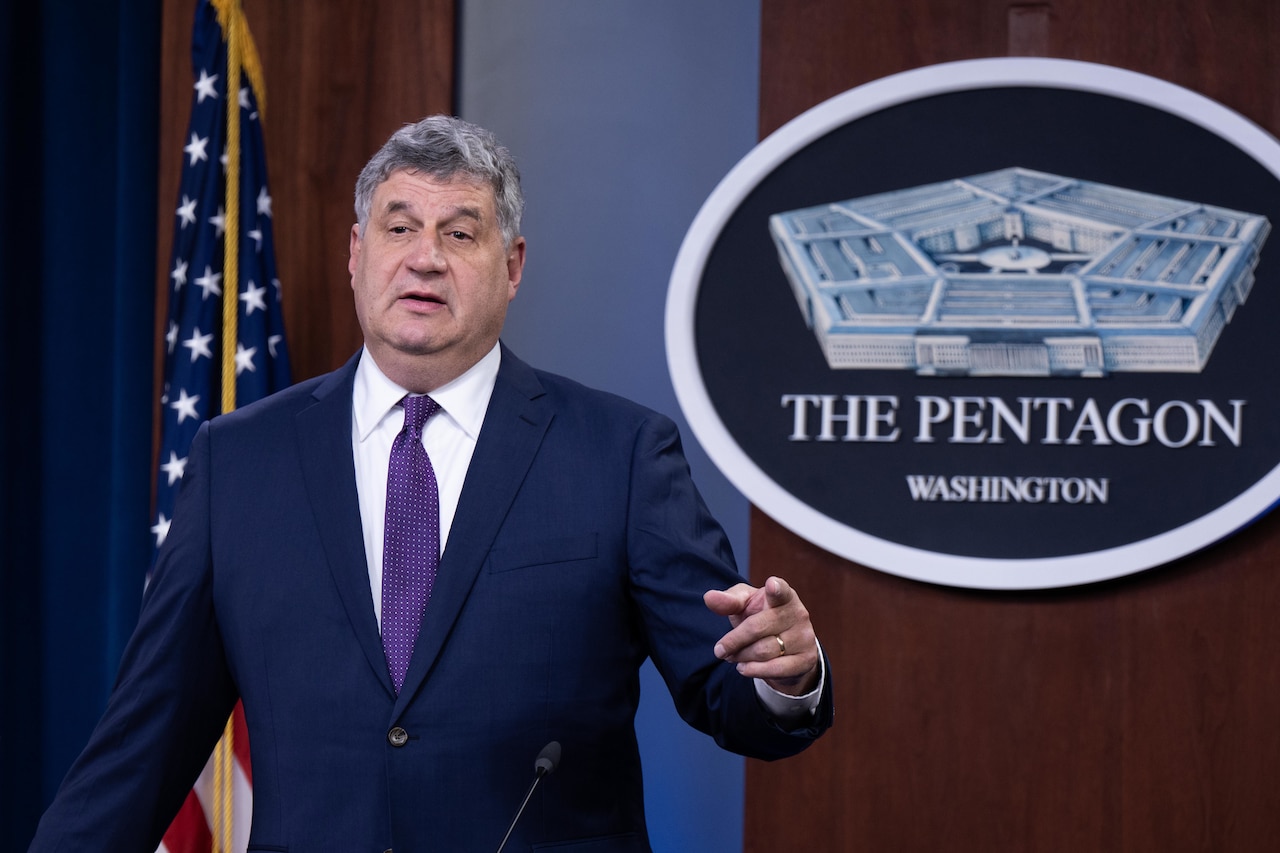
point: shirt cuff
(784, 707)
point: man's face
(431, 277)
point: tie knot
(417, 410)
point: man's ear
(354, 249)
(515, 266)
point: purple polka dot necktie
(411, 540)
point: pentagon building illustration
(1019, 272)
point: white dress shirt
(450, 439)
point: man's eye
(460, 235)
(399, 229)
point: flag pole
(232, 16)
(231, 246)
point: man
(393, 700)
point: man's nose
(427, 254)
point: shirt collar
(465, 400)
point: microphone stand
(544, 765)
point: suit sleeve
(172, 696)
(677, 551)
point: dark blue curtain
(78, 129)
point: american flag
(216, 814)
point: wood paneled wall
(1135, 715)
(341, 76)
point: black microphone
(544, 765)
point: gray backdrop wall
(623, 117)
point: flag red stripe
(241, 748)
(189, 832)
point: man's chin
(417, 344)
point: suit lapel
(324, 441)
(514, 425)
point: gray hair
(445, 147)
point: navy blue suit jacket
(579, 548)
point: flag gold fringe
(222, 830)
(231, 17)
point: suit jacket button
(397, 737)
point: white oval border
(853, 544)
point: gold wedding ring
(782, 646)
